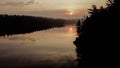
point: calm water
(51, 48)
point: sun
(70, 12)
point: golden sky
(68, 9)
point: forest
(97, 41)
(20, 24)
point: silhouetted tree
(96, 41)
(78, 25)
(94, 10)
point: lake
(52, 48)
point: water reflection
(43, 49)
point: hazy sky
(67, 9)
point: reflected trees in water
(18, 24)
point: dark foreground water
(51, 48)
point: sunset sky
(67, 9)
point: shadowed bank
(97, 44)
(20, 24)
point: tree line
(16, 24)
(97, 43)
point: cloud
(30, 2)
(56, 14)
(21, 3)
(21, 38)
(12, 4)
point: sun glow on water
(71, 30)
